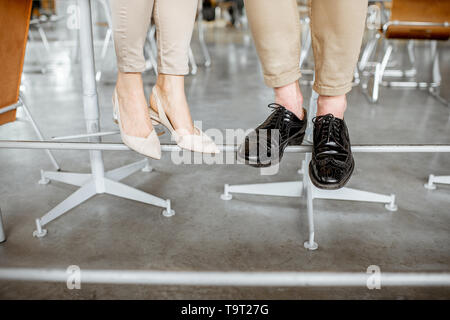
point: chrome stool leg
(2, 231)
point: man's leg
(337, 29)
(275, 26)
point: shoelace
(330, 130)
(277, 115)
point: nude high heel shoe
(149, 146)
(198, 142)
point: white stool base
(310, 192)
(90, 186)
(432, 179)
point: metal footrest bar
(107, 146)
(86, 135)
(233, 278)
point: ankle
(335, 105)
(170, 83)
(129, 84)
(171, 90)
(291, 98)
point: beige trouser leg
(174, 21)
(337, 27)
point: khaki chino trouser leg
(174, 21)
(337, 28)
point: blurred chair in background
(306, 64)
(409, 20)
(16, 15)
(43, 15)
(150, 47)
(201, 34)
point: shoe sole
(240, 159)
(333, 186)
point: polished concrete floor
(249, 233)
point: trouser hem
(332, 91)
(283, 79)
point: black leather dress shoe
(265, 145)
(332, 162)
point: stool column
(90, 100)
(2, 231)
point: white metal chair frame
(38, 25)
(372, 88)
(23, 105)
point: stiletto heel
(149, 146)
(198, 142)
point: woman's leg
(174, 25)
(131, 20)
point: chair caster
(391, 206)
(147, 168)
(39, 232)
(226, 195)
(168, 212)
(43, 179)
(311, 246)
(430, 184)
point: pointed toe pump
(149, 146)
(197, 142)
